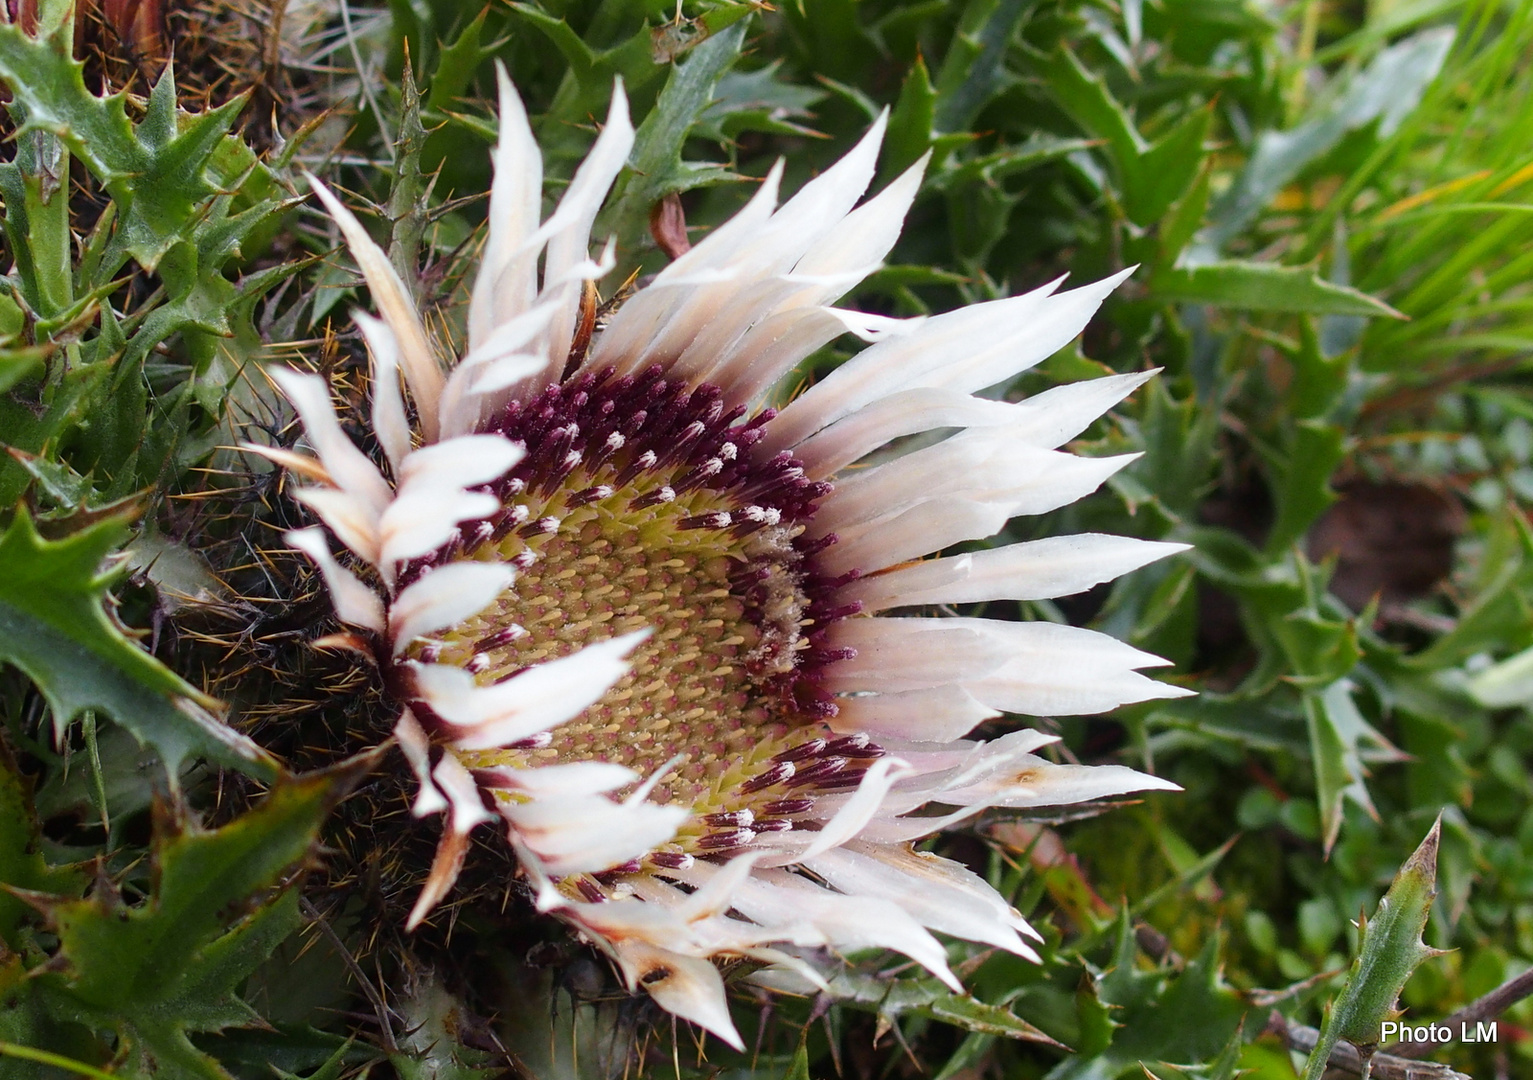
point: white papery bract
(650, 626)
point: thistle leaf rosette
(644, 622)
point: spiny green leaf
(798, 1069)
(910, 124)
(290, 1051)
(199, 295)
(1500, 599)
(657, 168)
(1187, 877)
(1180, 438)
(1302, 480)
(22, 865)
(831, 34)
(332, 1069)
(1086, 98)
(409, 194)
(1320, 644)
(121, 958)
(38, 1064)
(1254, 286)
(17, 363)
(1390, 949)
(1151, 177)
(1165, 172)
(926, 997)
(53, 626)
(973, 70)
(968, 1058)
(12, 319)
(155, 172)
(36, 226)
(1506, 684)
(56, 480)
(1182, 221)
(460, 58)
(30, 1024)
(973, 1015)
(1227, 1066)
(1182, 1019)
(988, 169)
(1386, 91)
(577, 54)
(757, 101)
(587, 85)
(156, 971)
(1321, 378)
(429, 1049)
(1338, 733)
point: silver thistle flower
(636, 618)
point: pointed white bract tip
(624, 644)
(353, 601)
(310, 397)
(693, 990)
(445, 868)
(416, 358)
(503, 84)
(1095, 292)
(786, 980)
(606, 661)
(305, 539)
(390, 421)
(642, 792)
(417, 914)
(301, 464)
(289, 380)
(617, 108)
(416, 746)
(445, 597)
(858, 810)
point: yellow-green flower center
(638, 506)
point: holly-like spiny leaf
(657, 167)
(430, 1049)
(54, 626)
(1338, 733)
(1252, 286)
(155, 170)
(926, 997)
(1158, 1017)
(1389, 951)
(171, 965)
(22, 865)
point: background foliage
(1329, 205)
